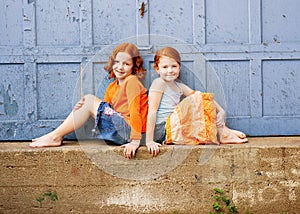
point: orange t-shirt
(131, 101)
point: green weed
(49, 194)
(222, 204)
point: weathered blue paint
(9, 103)
(281, 89)
(53, 80)
(12, 92)
(245, 51)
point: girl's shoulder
(132, 80)
(158, 81)
(112, 84)
(158, 85)
(131, 77)
(186, 90)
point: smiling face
(168, 69)
(122, 66)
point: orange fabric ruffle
(193, 121)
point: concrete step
(262, 176)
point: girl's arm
(154, 101)
(186, 90)
(154, 98)
(133, 92)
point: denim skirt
(111, 126)
(160, 133)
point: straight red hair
(168, 52)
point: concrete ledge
(261, 176)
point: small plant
(52, 196)
(40, 200)
(222, 203)
(176, 212)
(283, 212)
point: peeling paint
(10, 104)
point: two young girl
(121, 117)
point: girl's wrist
(149, 142)
(137, 142)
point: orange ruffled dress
(193, 121)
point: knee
(91, 100)
(89, 97)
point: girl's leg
(74, 121)
(229, 136)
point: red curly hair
(138, 63)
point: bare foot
(239, 133)
(228, 136)
(48, 140)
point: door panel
(246, 52)
(172, 19)
(57, 23)
(281, 89)
(113, 21)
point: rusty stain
(75, 171)
(142, 9)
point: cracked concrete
(261, 176)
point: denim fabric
(111, 126)
(160, 132)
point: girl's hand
(153, 148)
(130, 148)
(79, 104)
(221, 118)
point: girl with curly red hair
(120, 117)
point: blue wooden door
(245, 51)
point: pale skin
(168, 70)
(87, 107)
